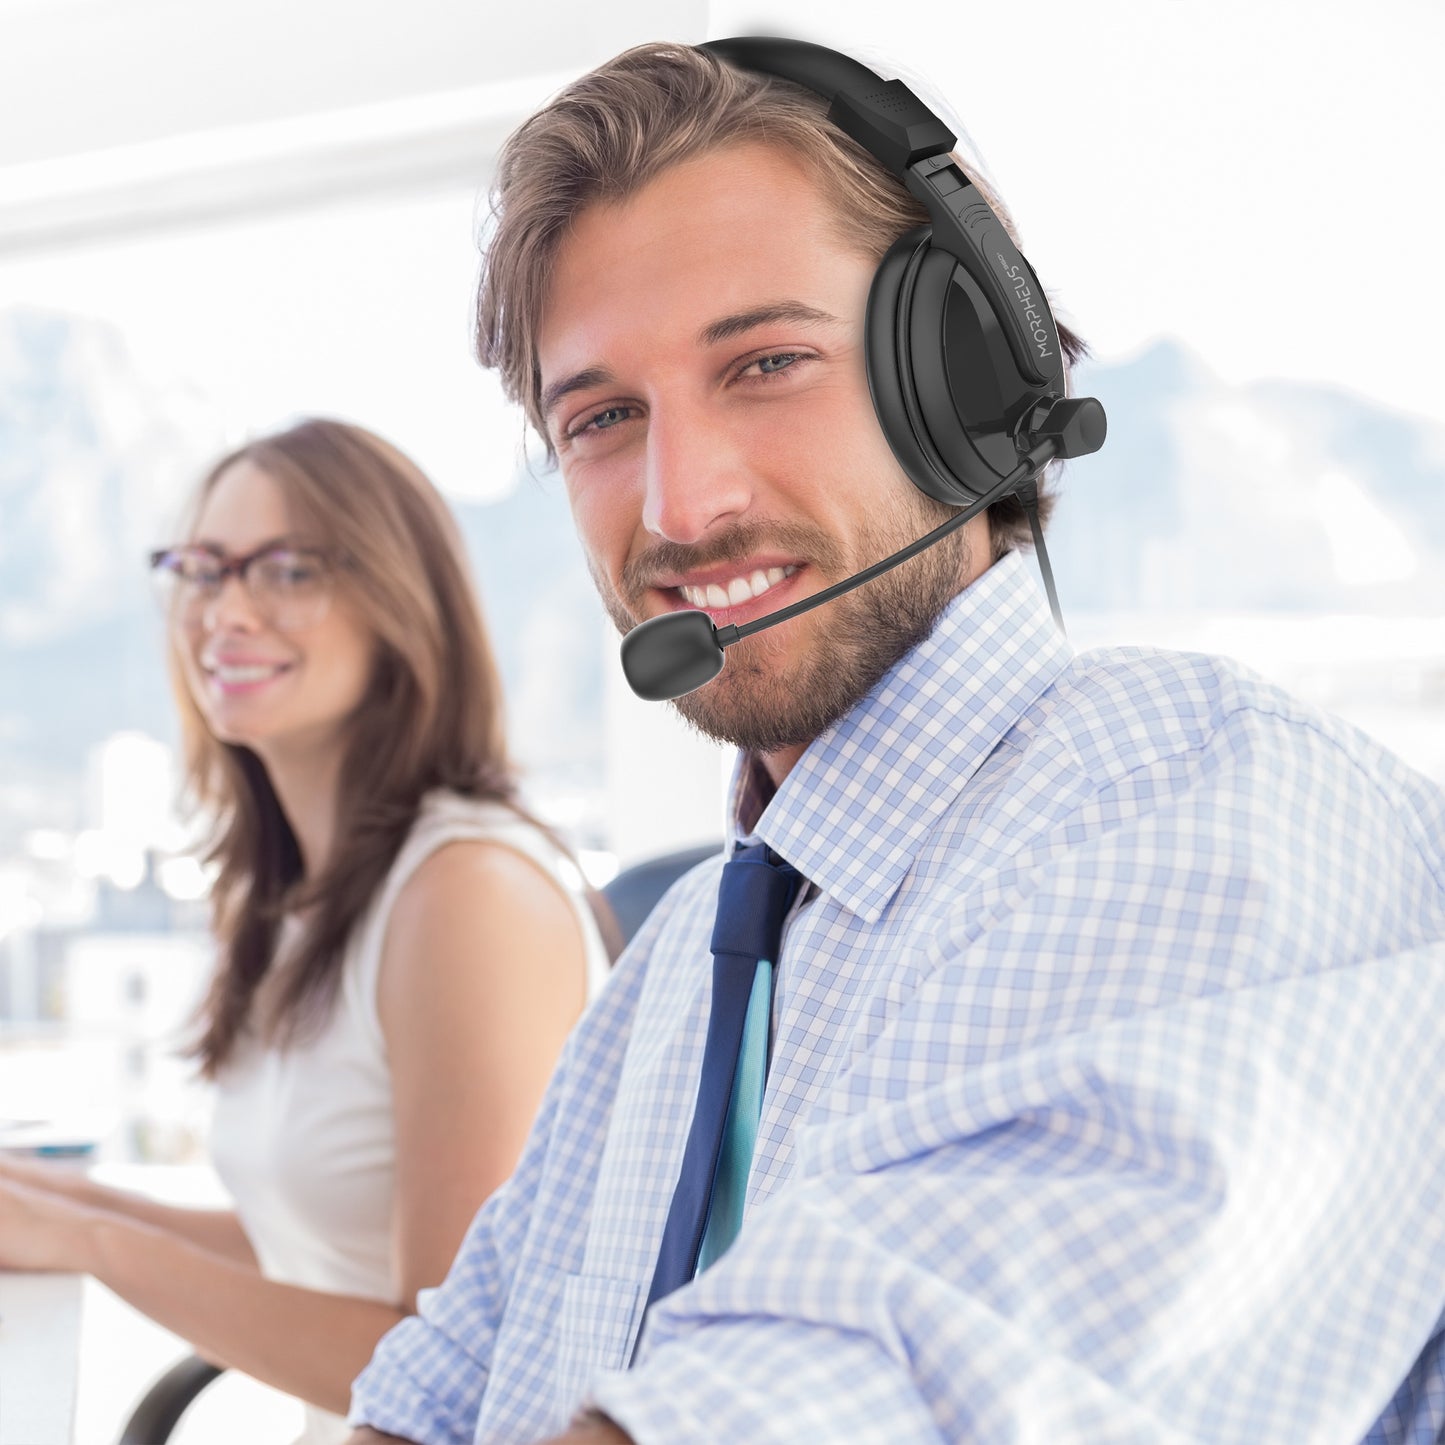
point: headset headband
(883, 116)
(892, 124)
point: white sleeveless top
(303, 1137)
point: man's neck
(779, 764)
(755, 791)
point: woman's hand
(50, 1177)
(40, 1230)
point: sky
(1255, 179)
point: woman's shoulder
(443, 808)
(512, 852)
(475, 870)
(515, 852)
(447, 817)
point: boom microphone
(677, 652)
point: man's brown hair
(609, 133)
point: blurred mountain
(1274, 497)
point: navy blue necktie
(756, 891)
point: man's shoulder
(1122, 709)
(1150, 794)
(1127, 732)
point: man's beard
(754, 703)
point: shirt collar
(857, 806)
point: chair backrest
(634, 892)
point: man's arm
(1199, 1223)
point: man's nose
(696, 475)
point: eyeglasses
(290, 586)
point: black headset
(963, 354)
(965, 366)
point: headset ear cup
(888, 353)
(958, 365)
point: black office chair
(636, 891)
(631, 895)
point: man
(1105, 1073)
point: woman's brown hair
(606, 135)
(431, 717)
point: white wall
(1254, 176)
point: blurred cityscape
(1300, 530)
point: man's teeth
(738, 591)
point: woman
(402, 951)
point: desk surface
(39, 1357)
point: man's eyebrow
(727, 327)
(578, 381)
(723, 329)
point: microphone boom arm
(1037, 458)
(677, 652)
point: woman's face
(271, 663)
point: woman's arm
(304, 1342)
(483, 974)
(217, 1231)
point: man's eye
(609, 416)
(771, 365)
(766, 368)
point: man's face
(703, 376)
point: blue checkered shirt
(1107, 1098)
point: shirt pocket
(598, 1320)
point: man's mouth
(735, 591)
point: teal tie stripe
(740, 1130)
(754, 896)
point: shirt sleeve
(1151, 1153)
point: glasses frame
(240, 567)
